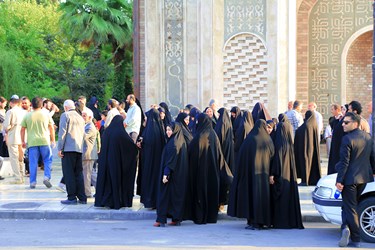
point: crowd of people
(186, 168)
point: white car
(330, 208)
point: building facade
(245, 51)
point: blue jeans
(34, 153)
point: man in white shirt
(319, 118)
(113, 111)
(132, 123)
(12, 128)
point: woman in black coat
(206, 162)
(286, 207)
(173, 178)
(249, 196)
(152, 147)
(306, 149)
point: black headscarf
(236, 121)
(118, 162)
(243, 130)
(260, 112)
(194, 112)
(185, 129)
(283, 118)
(168, 116)
(286, 204)
(152, 148)
(206, 162)
(95, 110)
(175, 162)
(250, 191)
(306, 149)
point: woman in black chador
(206, 161)
(152, 147)
(173, 178)
(224, 132)
(306, 149)
(249, 195)
(183, 119)
(286, 207)
(118, 162)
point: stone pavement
(20, 202)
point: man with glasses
(354, 170)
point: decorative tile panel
(245, 72)
(174, 53)
(245, 16)
(332, 23)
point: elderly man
(70, 144)
(319, 118)
(90, 150)
(354, 170)
(12, 128)
(132, 123)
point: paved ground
(21, 202)
(91, 234)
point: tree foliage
(100, 23)
(37, 58)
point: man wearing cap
(12, 128)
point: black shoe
(302, 184)
(82, 202)
(354, 244)
(1, 178)
(252, 227)
(69, 202)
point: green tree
(97, 23)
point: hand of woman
(272, 181)
(165, 179)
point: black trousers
(3, 147)
(73, 176)
(350, 196)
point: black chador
(206, 161)
(243, 130)
(306, 149)
(174, 164)
(117, 167)
(224, 132)
(249, 196)
(152, 148)
(286, 207)
(260, 112)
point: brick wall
(358, 71)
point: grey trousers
(87, 171)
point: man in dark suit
(355, 168)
